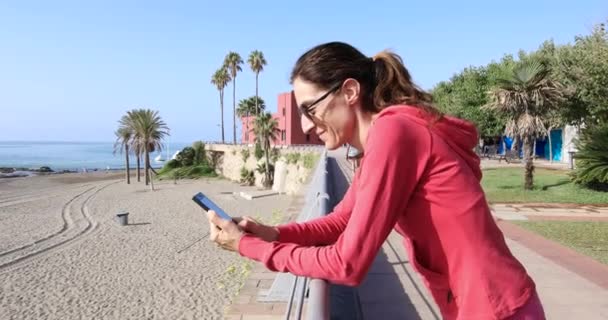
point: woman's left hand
(224, 232)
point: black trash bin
(122, 218)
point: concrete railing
(323, 299)
(316, 205)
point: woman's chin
(332, 145)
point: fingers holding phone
(224, 232)
(249, 225)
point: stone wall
(294, 174)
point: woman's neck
(365, 120)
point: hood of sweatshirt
(459, 134)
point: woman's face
(330, 112)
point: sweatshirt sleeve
(324, 230)
(396, 154)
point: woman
(419, 175)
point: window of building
(307, 138)
(283, 135)
(283, 111)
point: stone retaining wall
(296, 174)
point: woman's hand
(224, 232)
(249, 225)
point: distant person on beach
(419, 175)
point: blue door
(540, 148)
(556, 145)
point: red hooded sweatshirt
(422, 178)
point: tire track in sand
(75, 225)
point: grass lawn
(551, 186)
(587, 237)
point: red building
(288, 118)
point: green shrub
(310, 160)
(199, 153)
(172, 164)
(247, 176)
(592, 158)
(186, 157)
(274, 154)
(169, 166)
(191, 172)
(292, 157)
(200, 171)
(261, 168)
(258, 152)
(245, 154)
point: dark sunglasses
(307, 110)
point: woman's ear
(351, 89)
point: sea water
(75, 156)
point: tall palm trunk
(234, 109)
(127, 162)
(267, 151)
(257, 108)
(149, 171)
(146, 165)
(222, 111)
(529, 163)
(138, 167)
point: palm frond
(256, 61)
(248, 106)
(221, 78)
(525, 94)
(233, 62)
(592, 157)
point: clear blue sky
(70, 69)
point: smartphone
(206, 203)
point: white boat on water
(159, 158)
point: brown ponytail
(394, 85)
(384, 79)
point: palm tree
(266, 129)
(233, 62)
(149, 130)
(128, 121)
(251, 105)
(220, 79)
(256, 62)
(526, 95)
(123, 139)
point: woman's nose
(307, 125)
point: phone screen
(207, 204)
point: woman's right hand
(249, 225)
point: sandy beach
(63, 255)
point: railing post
(318, 300)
